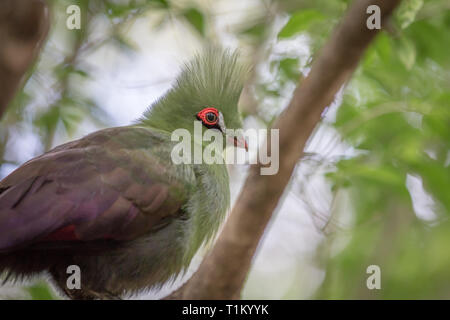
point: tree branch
(23, 26)
(223, 271)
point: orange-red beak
(240, 142)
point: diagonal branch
(23, 26)
(223, 271)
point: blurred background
(374, 186)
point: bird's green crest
(212, 79)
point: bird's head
(206, 91)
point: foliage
(396, 111)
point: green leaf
(160, 3)
(117, 9)
(63, 70)
(289, 67)
(40, 291)
(196, 19)
(300, 21)
(71, 115)
(408, 11)
(255, 31)
(49, 118)
(406, 52)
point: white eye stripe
(222, 122)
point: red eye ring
(209, 116)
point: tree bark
(24, 25)
(222, 273)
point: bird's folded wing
(114, 184)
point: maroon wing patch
(66, 233)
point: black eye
(211, 117)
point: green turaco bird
(114, 203)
